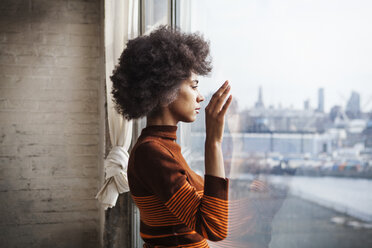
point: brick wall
(51, 119)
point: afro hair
(152, 67)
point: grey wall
(52, 122)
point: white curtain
(121, 24)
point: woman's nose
(200, 98)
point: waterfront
(296, 212)
(301, 223)
(350, 196)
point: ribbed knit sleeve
(163, 175)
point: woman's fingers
(218, 93)
(222, 88)
(215, 113)
(218, 97)
(226, 105)
(221, 100)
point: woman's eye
(194, 87)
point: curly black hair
(152, 67)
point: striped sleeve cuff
(216, 187)
(184, 204)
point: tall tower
(259, 103)
(320, 100)
(353, 106)
(307, 104)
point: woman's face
(186, 106)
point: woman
(157, 78)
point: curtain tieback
(116, 179)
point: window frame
(139, 124)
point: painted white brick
(22, 105)
(50, 65)
(40, 138)
(15, 172)
(23, 83)
(47, 195)
(79, 235)
(60, 183)
(56, 217)
(80, 129)
(83, 6)
(78, 40)
(14, 5)
(74, 83)
(14, 185)
(3, 104)
(84, 29)
(50, 94)
(54, 51)
(47, 5)
(49, 27)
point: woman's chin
(189, 119)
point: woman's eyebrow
(196, 81)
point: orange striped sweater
(177, 207)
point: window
(152, 14)
(300, 122)
(155, 13)
(298, 135)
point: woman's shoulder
(151, 157)
(152, 146)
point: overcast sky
(290, 48)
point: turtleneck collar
(163, 131)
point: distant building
(259, 103)
(335, 112)
(282, 120)
(353, 106)
(368, 135)
(320, 100)
(283, 143)
(307, 104)
(355, 133)
(338, 117)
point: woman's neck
(160, 118)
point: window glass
(298, 135)
(155, 13)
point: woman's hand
(215, 114)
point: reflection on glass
(156, 12)
(298, 136)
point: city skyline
(290, 49)
(307, 105)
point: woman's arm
(215, 120)
(160, 172)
